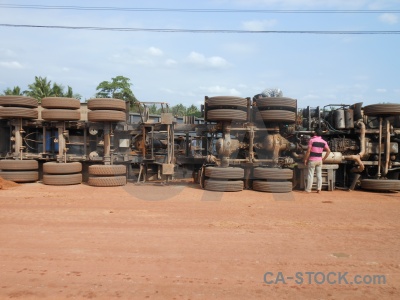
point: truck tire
(386, 109)
(64, 179)
(380, 184)
(106, 104)
(107, 181)
(273, 173)
(18, 113)
(223, 185)
(281, 116)
(107, 170)
(224, 173)
(20, 176)
(277, 103)
(13, 165)
(18, 101)
(226, 115)
(62, 168)
(60, 115)
(106, 116)
(226, 101)
(272, 186)
(60, 103)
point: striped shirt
(317, 146)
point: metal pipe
(20, 137)
(361, 125)
(357, 159)
(380, 148)
(107, 157)
(251, 146)
(385, 171)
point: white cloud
(220, 90)
(11, 65)
(170, 62)
(155, 51)
(259, 25)
(388, 18)
(381, 90)
(201, 60)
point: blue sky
(184, 67)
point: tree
(193, 111)
(154, 110)
(16, 91)
(70, 94)
(179, 110)
(39, 89)
(42, 88)
(119, 87)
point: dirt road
(180, 242)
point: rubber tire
(380, 184)
(18, 101)
(224, 173)
(60, 115)
(107, 181)
(106, 104)
(223, 185)
(62, 168)
(277, 103)
(272, 186)
(273, 173)
(227, 101)
(18, 113)
(386, 109)
(13, 165)
(107, 170)
(106, 116)
(226, 115)
(281, 116)
(64, 179)
(60, 103)
(20, 176)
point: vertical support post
(380, 148)
(251, 144)
(61, 142)
(107, 157)
(387, 147)
(44, 139)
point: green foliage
(119, 87)
(16, 91)
(154, 110)
(42, 88)
(180, 110)
(193, 110)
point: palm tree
(40, 89)
(70, 94)
(16, 91)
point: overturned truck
(241, 143)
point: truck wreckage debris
(240, 143)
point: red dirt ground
(180, 242)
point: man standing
(313, 159)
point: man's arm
(328, 151)
(307, 155)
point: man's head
(318, 132)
